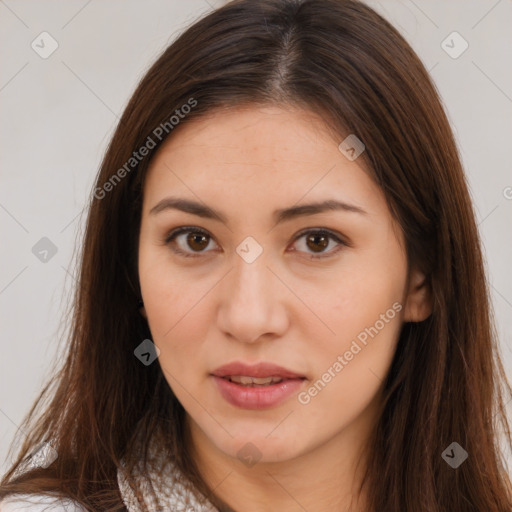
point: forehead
(260, 153)
(261, 133)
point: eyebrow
(282, 215)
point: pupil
(314, 239)
(192, 240)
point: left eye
(198, 240)
(321, 239)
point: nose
(252, 302)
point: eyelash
(191, 229)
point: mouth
(246, 381)
(260, 386)
(261, 374)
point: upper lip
(262, 369)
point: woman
(282, 303)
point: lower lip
(257, 397)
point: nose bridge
(250, 281)
(251, 300)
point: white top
(38, 503)
(162, 487)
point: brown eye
(316, 242)
(192, 245)
(197, 241)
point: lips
(258, 371)
(259, 386)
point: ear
(418, 303)
(142, 311)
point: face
(248, 275)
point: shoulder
(38, 503)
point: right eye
(197, 239)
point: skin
(284, 307)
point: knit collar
(161, 488)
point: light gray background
(59, 113)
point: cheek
(350, 369)
(177, 309)
(168, 292)
(176, 316)
(177, 320)
(363, 328)
(356, 299)
(363, 310)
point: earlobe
(418, 304)
(142, 310)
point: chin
(252, 446)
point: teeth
(254, 381)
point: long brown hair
(446, 383)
